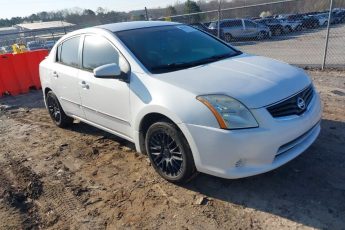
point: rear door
(65, 79)
(251, 29)
(234, 27)
(105, 101)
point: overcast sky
(12, 8)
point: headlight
(230, 113)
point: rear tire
(169, 152)
(56, 112)
(228, 38)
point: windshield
(170, 48)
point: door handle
(55, 74)
(84, 85)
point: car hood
(255, 81)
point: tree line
(88, 17)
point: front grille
(291, 106)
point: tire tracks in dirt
(20, 186)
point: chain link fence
(294, 31)
(300, 32)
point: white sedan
(190, 101)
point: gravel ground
(305, 48)
(84, 178)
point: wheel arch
(150, 118)
(46, 91)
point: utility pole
(219, 15)
(327, 35)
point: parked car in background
(341, 16)
(34, 45)
(310, 22)
(338, 17)
(48, 45)
(323, 19)
(201, 26)
(2, 50)
(6, 49)
(294, 17)
(236, 29)
(273, 24)
(191, 102)
(207, 24)
(290, 26)
(298, 18)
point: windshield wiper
(216, 57)
(182, 65)
(174, 65)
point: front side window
(233, 23)
(237, 23)
(98, 51)
(67, 52)
(170, 48)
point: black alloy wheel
(56, 112)
(169, 152)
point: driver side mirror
(108, 71)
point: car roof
(232, 19)
(121, 26)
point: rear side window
(67, 52)
(97, 52)
(249, 24)
(233, 23)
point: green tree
(89, 12)
(100, 11)
(192, 7)
(170, 11)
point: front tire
(228, 38)
(261, 35)
(288, 29)
(278, 32)
(56, 112)
(169, 152)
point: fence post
(218, 24)
(146, 14)
(327, 35)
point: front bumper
(241, 153)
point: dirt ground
(84, 178)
